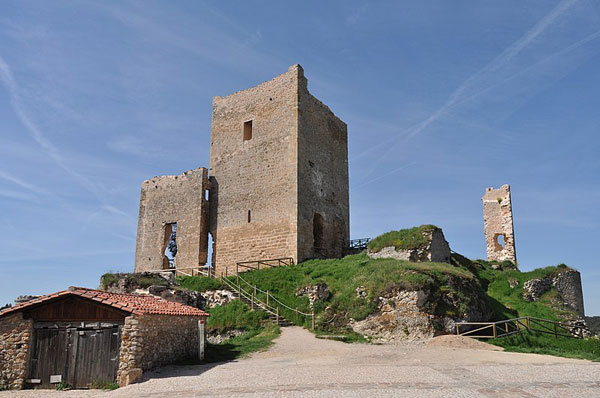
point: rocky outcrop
(419, 314)
(187, 297)
(399, 317)
(214, 298)
(216, 336)
(533, 289)
(567, 283)
(316, 292)
(165, 286)
(435, 249)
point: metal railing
(264, 300)
(256, 264)
(358, 244)
(509, 327)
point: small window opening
(249, 216)
(171, 244)
(248, 130)
(500, 243)
(206, 194)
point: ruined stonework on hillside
(165, 202)
(498, 224)
(278, 184)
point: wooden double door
(75, 355)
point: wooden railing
(264, 300)
(187, 271)
(509, 327)
(256, 264)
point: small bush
(104, 385)
(404, 239)
(199, 283)
(63, 386)
(234, 315)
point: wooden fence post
(313, 319)
(494, 330)
(457, 331)
(267, 298)
(277, 316)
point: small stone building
(83, 336)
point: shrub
(404, 239)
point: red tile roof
(138, 304)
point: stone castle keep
(277, 186)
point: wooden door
(48, 355)
(95, 357)
(81, 356)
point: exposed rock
(404, 314)
(593, 323)
(533, 289)
(316, 292)
(215, 298)
(436, 249)
(399, 317)
(567, 283)
(187, 297)
(129, 283)
(217, 337)
(361, 291)
(513, 283)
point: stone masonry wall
(15, 341)
(498, 221)
(149, 341)
(254, 182)
(322, 178)
(173, 199)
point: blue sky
(442, 100)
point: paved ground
(300, 365)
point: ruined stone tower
(278, 185)
(279, 174)
(498, 224)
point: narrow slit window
(249, 216)
(248, 130)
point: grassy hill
(469, 283)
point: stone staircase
(250, 295)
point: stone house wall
(149, 341)
(15, 342)
(177, 199)
(498, 224)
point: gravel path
(299, 365)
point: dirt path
(299, 365)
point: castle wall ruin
(498, 224)
(169, 200)
(278, 184)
